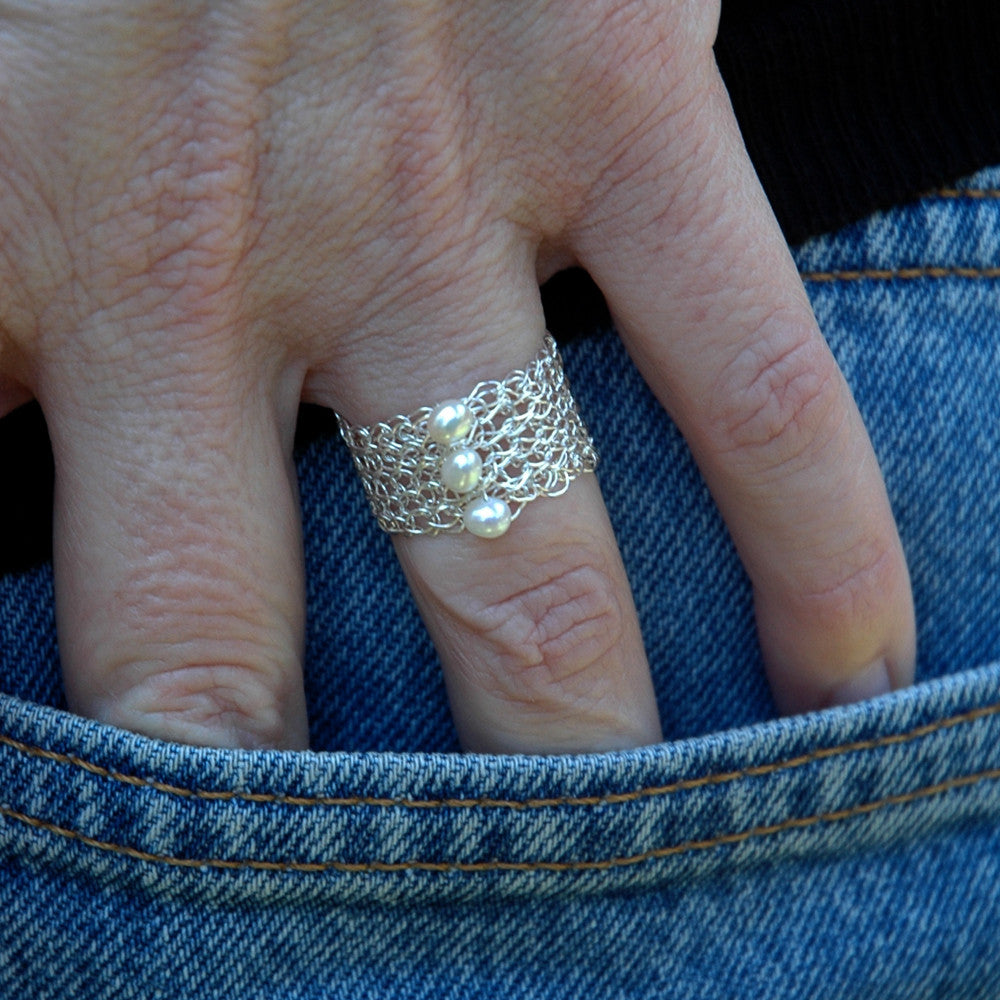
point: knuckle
(778, 403)
(202, 652)
(855, 590)
(222, 704)
(550, 641)
(639, 73)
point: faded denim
(850, 853)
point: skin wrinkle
(838, 493)
(542, 624)
(698, 225)
(181, 237)
(533, 189)
(41, 250)
(634, 171)
(191, 205)
(183, 223)
(431, 158)
(434, 188)
(429, 162)
(549, 640)
(562, 198)
(189, 544)
(854, 594)
(640, 159)
(168, 582)
(237, 696)
(506, 692)
(774, 401)
(184, 580)
(137, 459)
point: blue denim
(853, 852)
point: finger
(713, 311)
(178, 572)
(536, 630)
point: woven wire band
(525, 429)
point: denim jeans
(853, 852)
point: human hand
(210, 212)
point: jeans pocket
(876, 819)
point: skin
(211, 211)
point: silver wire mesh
(526, 428)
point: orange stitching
(911, 273)
(796, 823)
(617, 798)
(965, 193)
(901, 274)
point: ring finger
(536, 630)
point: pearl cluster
(449, 425)
(473, 463)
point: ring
(473, 463)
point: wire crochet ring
(473, 463)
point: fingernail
(869, 683)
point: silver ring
(473, 463)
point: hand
(211, 211)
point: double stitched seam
(615, 798)
(901, 274)
(656, 853)
(977, 193)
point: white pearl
(487, 518)
(449, 422)
(461, 470)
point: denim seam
(965, 193)
(687, 784)
(900, 274)
(385, 867)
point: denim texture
(853, 852)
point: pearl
(487, 518)
(461, 470)
(449, 422)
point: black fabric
(846, 106)
(26, 483)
